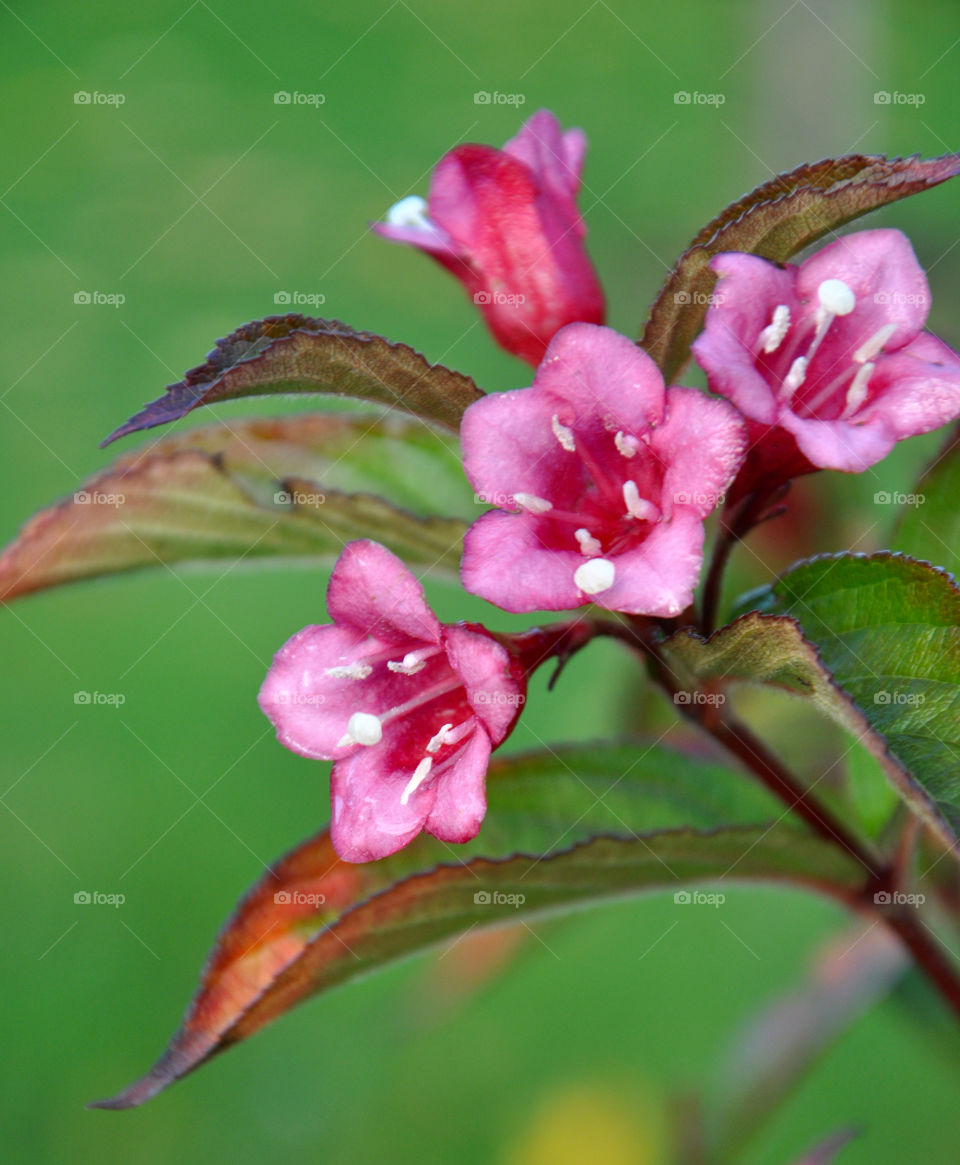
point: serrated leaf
(251, 490)
(298, 354)
(566, 827)
(775, 221)
(929, 522)
(874, 642)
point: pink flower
(407, 709)
(610, 477)
(506, 223)
(831, 351)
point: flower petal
(485, 668)
(460, 802)
(554, 157)
(372, 591)
(702, 442)
(659, 576)
(918, 388)
(505, 563)
(368, 819)
(845, 445)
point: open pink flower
(609, 477)
(506, 223)
(406, 708)
(832, 351)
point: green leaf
(929, 522)
(293, 487)
(564, 828)
(775, 221)
(874, 642)
(297, 354)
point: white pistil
(874, 346)
(532, 503)
(836, 297)
(638, 507)
(627, 445)
(413, 661)
(595, 576)
(589, 546)
(857, 392)
(349, 671)
(795, 377)
(362, 728)
(410, 212)
(772, 335)
(563, 433)
(420, 774)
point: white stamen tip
(350, 671)
(836, 297)
(627, 445)
(874, 346)
(595, 576)
(563, 433)
(410, 212)
(532, 503)
(364, 728)
(857, 392)
(796, 376)
(589, 546)
(772, 335)
(638, 507)
(437, 742)
(420, 774)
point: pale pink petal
(505, 563)
(702, 441)
(372, 591)
(368, 819)
(659, 576)
(851, 447)
(493, 689)
(608, 381)
(460, 798)
(544, 148)
(434, 241)
(917, 388)
(509, 447)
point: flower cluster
(605, 475)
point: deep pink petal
(460, 796)
(889, 284)
(748, 291)
(841, 444)
(485, 668)
(659, 576)
(509, 447)
(554, 158)
(505, 563)
(916, 389)
(702, 441)
(604, 377)
(372, 591)
(368, 819)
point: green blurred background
(198, 199)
